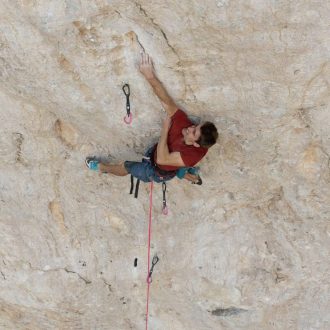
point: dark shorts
(145, 171)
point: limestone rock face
(249, 249)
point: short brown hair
(209, 135)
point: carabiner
(126, 90)
(128, 118)
(165, 210)
(155, 259)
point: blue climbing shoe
(92, 163)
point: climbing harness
(155, 259)
(149, 240)
(165, 208)
(128, 117)
(136, 193)
(163, 176)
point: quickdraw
(165, 208)
(155, 259)
(128, 118)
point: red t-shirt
(190, 155)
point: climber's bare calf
(118, 169)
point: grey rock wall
(249, 249)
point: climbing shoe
(92, 163)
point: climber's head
(202, 135)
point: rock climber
(181, 146)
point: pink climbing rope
(149, 239)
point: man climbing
(181, 145)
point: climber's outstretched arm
(147, 69)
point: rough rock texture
(247, 250)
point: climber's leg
(118, 169)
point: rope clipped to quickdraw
(128, 117)
(165, 208)
(136, 193)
